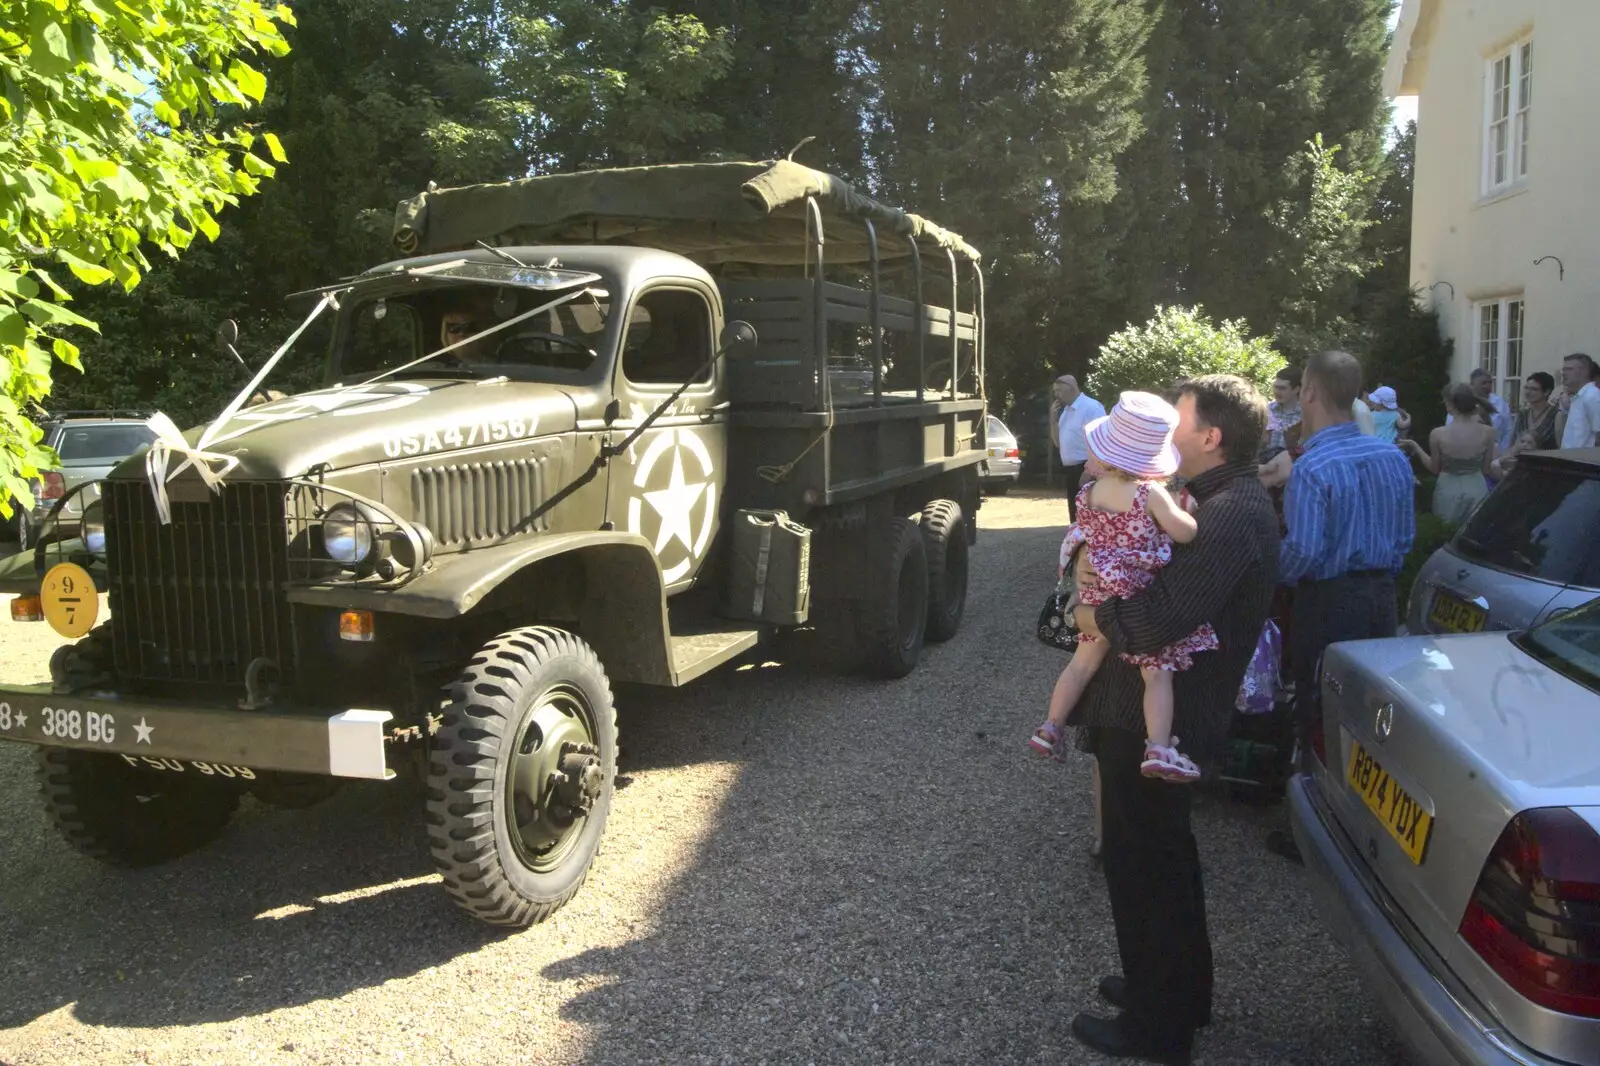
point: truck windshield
(477, 330)
(1570, 643)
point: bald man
(1350, 517)
(1072, 410)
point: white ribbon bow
(169, 441)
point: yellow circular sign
(71, 602)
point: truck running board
(702, 648)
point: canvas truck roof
(711, 213)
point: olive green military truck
(615, 426)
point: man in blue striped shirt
(1351, 520)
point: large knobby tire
(894, 618)
(520, 776)
(944, 539)
(131, 816)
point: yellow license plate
(1455, 615)
(1401, 815)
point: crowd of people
(1203, 522)
(1481, 437)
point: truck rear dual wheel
(130, 816)
(893, 620)
(944, 540)
(521, 774)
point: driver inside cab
(468, 315)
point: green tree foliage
(1405, 348)
(1003, 119)
(1237, 87)
(377, 99)
(1178, 343)
(796, 70)
(109, 149)
(1407, 352)
(1107, 156)
(1388, 241)
(603, 84)
(1321, 253)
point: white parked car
(1003, 467)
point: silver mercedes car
(1450, 822)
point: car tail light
(1011, 453)
(52, 486)
(1535, 914)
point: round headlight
(347, 534)
(94, 528)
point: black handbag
(1056, 627)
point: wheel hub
(577, 785)
(555, 780)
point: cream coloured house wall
(1467, 246)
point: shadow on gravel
(890, 879)
(893, 880)
(287, 908)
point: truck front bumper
(335, 743)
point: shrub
(1178, 343)
(1409, 353)
(1433, 533)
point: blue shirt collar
(1331, 433)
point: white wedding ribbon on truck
(212, 467)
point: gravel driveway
(799, 868)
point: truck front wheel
(520, 776)
(894, 617)
(944, 538)
(130, 816)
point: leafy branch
(86, 187)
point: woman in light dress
(1460, 453)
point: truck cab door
(667, 487)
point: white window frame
(1499, 336)
(1507, 114)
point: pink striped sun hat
(1136, 437)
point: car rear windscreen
(81, 444)
(1540, 522)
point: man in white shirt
(1581, 402)
(1073, 410)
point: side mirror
(227, 337)
(738, 339)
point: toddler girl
(1127, 522)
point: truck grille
(480, 501)
(199, 599)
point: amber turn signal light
(356, 625)
(27, 609)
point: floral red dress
(1126, 549)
